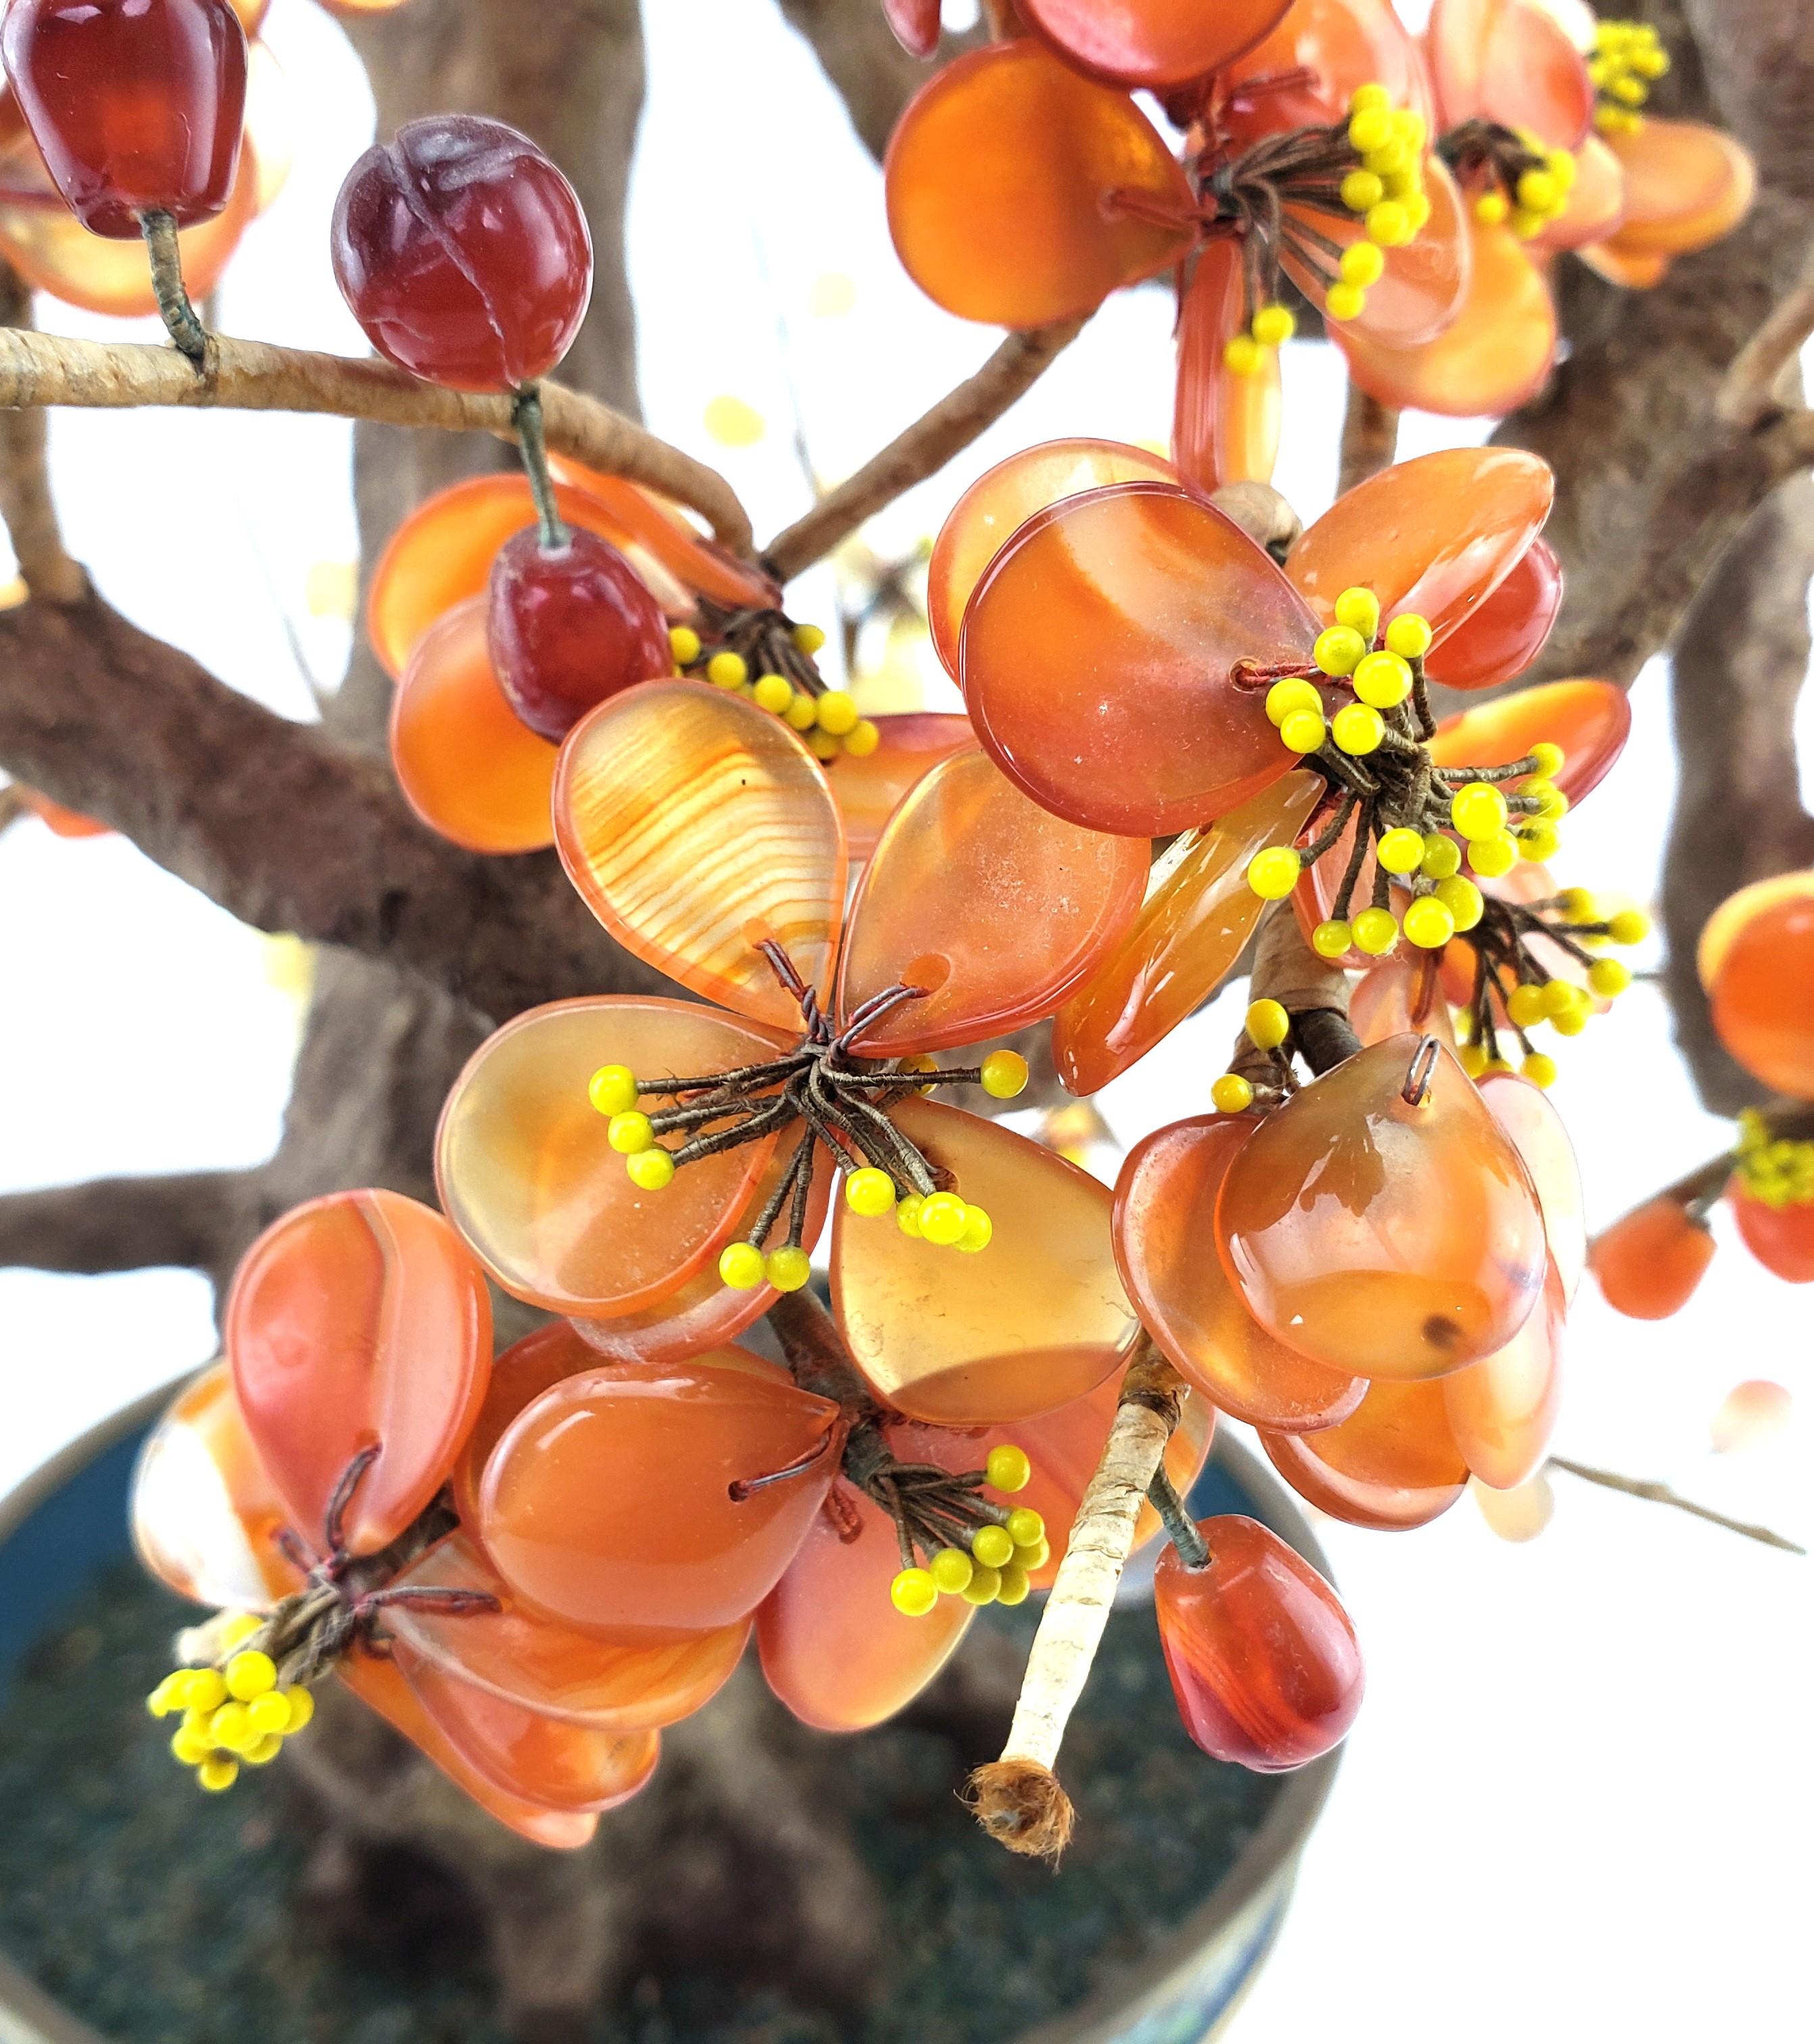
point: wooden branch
(191, 1219)
(1660, 1493)
(923, 449)
(26, 508)
(1370, 439)
(38, 369)
(1312, 991)
(1750, 391)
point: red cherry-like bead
(570, 625)
(1263, 1662)
(463, 253)
(135, 105)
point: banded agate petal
(531, 1662)
(1509, 61)
(1391, 1465)
(467, 764)
(998, 909)
(1425, 281)
(661, 532)
(204, 1516)
(1164, 1213)
(870, 789)
(1685, 184)
(1381, 1238)
(1225, 428)
(1263, 1662)
(526, 1369)
(1036, 1318)
(1507, 632)
(528, 1175)
(607, 1504)
(1154, 42)
(696, 826)
(379, 1685)
(999, 502)
(1528, 1116)
(1502, 1410)
(1198, 913)
(834, 1649)
(1400, 995)
(1096, 656)
(1342, 45)
(996, 178)
(916, 24)
(1436, 536)
(1590, 719)
(359, 1321)
(1491, 358)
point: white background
(1577, 1803)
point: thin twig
(1370, 439)
(25, 504)
(1748, 394)
(1660, 1493)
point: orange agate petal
(998, 503)
(1632, 270)
(834, 1649)
(658, 528)
(1507, 632)
(359, 1321)
(1650, 1261)
(1096, 657)
(1391, 1465)
(1165, 1214)
(523, 1372)
(525, 1660)
(1151, 42)
(995, 906)
(1685, 184)
(1529, 1117)
(1425, 281)
(1727, 921)
(467, 764)
(1342, 45)
(1509, 61)
(1398, 995)
(1198, 914)
(1489, 359)
(1590, 720)
(696, 826)
(528, 1175)
(1762, 993)
(1436, 536)
(1781, 1238)
(204, 1514)
(1382, 1236)
(1225, 428)
(1502, 1410)
(869, 787)
(612, 1502)
(997, 177)
(1036, 1319)
(1595, 200)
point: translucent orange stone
(1650, 1261)
(1781, 1238)
(1035, 1320)
(661, 531)
(1596, 200)
(1727, 921)
(869, 789)
(608, 1503)
(204, 1517)
(1685, 185)
(1400, 995)
(1164, 1213)
(1264, 1664)
(1148, 734)
(1151, 42)
(834, 1649)
(696, 826)
(528, 1660)
(1750, 1413)
(1502, 1410)
(1590, 720)
(358, 1321)
(1436, 536)
(1313, 899)
(1507, 632)
(1198, 913)
(996, 907)
(1490, 358)
(998, 179)
(528, 1177)
(1380, 1237)
(1225, 428)
(59, 821)
(525, 1371)
(1342, 45)
(1538, 1133)
(1762, 993)
(467, 764)
(1391, 1465)
(1512, 62)
(1425, 281)
(1632, 270)
(1000, 502)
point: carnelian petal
(1399, 994)
(834, 1649)
(1151, 42)
(467, 764)
(1391, 1465)
(527, 1173)
(525, 1371)
(695, 826)
(1164, 1213)
(1650, 1261)
(1507, 632)
(869, 788)
(1436, 536)
(1225, 428)
(607, 1504)
(661, 531)
(1096, 656)
(996, 176)
(1595, 200)
(1539, 1135)
(1198, 913)
(1685, 185)
(1342, 45)
(1762, 993)
(1590, 719)
(1728, 921)
(998, 907)
(1502, 1410)
(999, 502)
(1426, 280)
(1033, 1320)
(359, 1321)
(1382, 1237)
(1509, 61)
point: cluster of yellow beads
(233, 1714)
(1271, 328)
(613, 1093)
(1627, 58)
(944, 1220)
(1567, 1009)
(1267, 1025)
(1778, 1169)
(1540, 195)
(995, 1569)
(828, 722)
(1385, 189)
(742, 1266)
